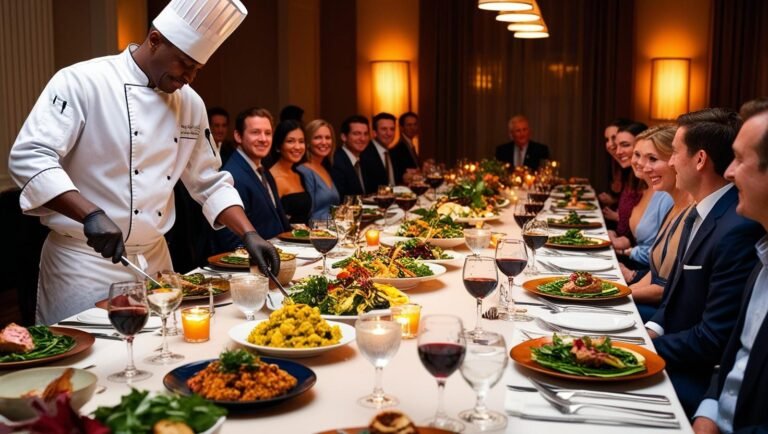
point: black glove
(262, 253)
(104, 235)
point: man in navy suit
(376, 159)
(404, 156)
(253, 135)
(347, 172)
(702, 297)
(521, 151)
(737, 397)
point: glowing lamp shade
(391, 86)
(534, 26)
(505, 5)
(670, 87)
(508, 16)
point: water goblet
(477, 239)
(480, 279)
(128, 313)
(535, 234)
(483, 367)
(163, 301)
(378, 339)
(441, 346)
(249, 292)
(511, 258)
(323, 234)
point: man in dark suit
(702, 297)
(521, 151)
(404, 156)
(347, 173)
(257, 189)
(376, 160)
(737, 397)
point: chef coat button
(135, 133)
(136, 211)
(176, 140)
(159, 214)
(136, 172)
(169, 177)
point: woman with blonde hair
(653, 149)
(321, 145)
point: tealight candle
(196, 322)
(407, 315)
(372, 237)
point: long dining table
(344, 375)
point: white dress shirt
(354, 159)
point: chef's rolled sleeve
(222, 199)
(42, 188)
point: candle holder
(196, 322)
(372, 237)
(407, 315)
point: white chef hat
(198, 27)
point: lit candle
(196, 322)
(407, 315)
(372, 237)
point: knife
(627, 396)
(130, 264)
(106, 336)
(598, 420)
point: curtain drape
(474, 75)
(739, 52)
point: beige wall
(684, 29)
(386, 30)
(298, 48)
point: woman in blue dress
(321, 145)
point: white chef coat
(97, 128)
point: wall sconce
(391, 85)
(520, 16)
(505, 5)
(670, 87)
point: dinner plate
(581, 264)
(365, 430)
(590, 225)
(288, 237)
(473, 220)
(561, 196)
(589, 322)
(176, 381)
(99, 316)
(601, 244)
(587, 207)
(275, 301)
(521, 354)
(240, 334)
(533, 286)
(389, 239)
(404, 283)
(301, 252)
(83, 341)
(216, 261)
(455, 256)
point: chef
(99, 154)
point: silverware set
(553, 252)
(576, 333)
(557, 308)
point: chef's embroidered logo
(189, 132)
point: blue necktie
(686, 235)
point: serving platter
(404, 283)
(521, 354)
(176, 382)
(533, 286)
(83, 341)
(240, 334)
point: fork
(556, 308)
(552, 252)
(566, 406)
(557, 329)
(566, 393)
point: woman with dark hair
(288, 152)
(632, 187)
(321, 146)
(615, 172)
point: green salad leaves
(587, 357)
(556, 286)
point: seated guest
(521, 151)
(404, 156)
(253, 135)
(735, 401)
(316, 171)
(375, 160)
(615, 175)
(218, 119)
(702, 297)
(632, 187)
(654, 147)
(288, 152)
(346, 171)
(292, 113)
(644, 223)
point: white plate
(99, 316)
(586, 263)
(404, 283)
(503, 203)
(589, 322)
(446, 243)
(472, 220)
(240, 334)
(301, 252)
(456, 256)
(275, 301)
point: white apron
(98, 129)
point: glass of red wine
(419, 187)
(442, 346)
(405, 201)
(480, 279)
(384, 199)
(511, 258)
(323, 235)
(535, 234)
(128, 313)
(521, 215)
(435, 179)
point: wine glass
(163, 301)
(355, 204)
(344, 219)
(477, 239)
(418, 186)
(435, 179)
(384, 199)
(249, 292)
(483, 366)
(378, 338)
(441, 346)
(533, 206)
(535, 234)
(128, 313)
(406, 201)
(323, 235)
(511, 258)
(480, 279)
(521, 215)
